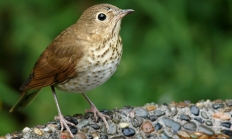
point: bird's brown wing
(57, 63)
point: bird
(81, 58)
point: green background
(174, 50)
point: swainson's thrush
(80, 59)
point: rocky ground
(183, 120)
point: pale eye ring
(101, 17)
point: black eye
(101, 16)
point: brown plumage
(81, 58)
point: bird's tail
(25, 98)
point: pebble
(164, 136)
(221, 115)
(171, 123)
(71, 119)
(184, 117)
(116, 118)
(227, 132)
(199, 119)
(147, 127)
(218, 105)
(204, 115)
(128, 132)
(38, 131)
(191, 126)
(158, 126)
(181, 104)
(206, 130)
(173, 110)
(194, 110)
(88, 115)
(229, 102)
(151, 107)
(183, 134)
(158, 113)
(226, 124)
(141, 112)
(208, 123)
(123, 125)
(80, 136)
(103, 137)
(95, 126)
(139, 136)
(112, 128)
(118, 137)
(78, 115)
(26, 129)
(73, 129)
(137, 121)
(152, 117)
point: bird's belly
(89, 79)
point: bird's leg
(96, 112)
(63, 121)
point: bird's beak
(123, 13)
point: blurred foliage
(174, 50)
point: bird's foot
(97, 113)
(64, 123)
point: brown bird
(80, 59)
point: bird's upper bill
(123, 13)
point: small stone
(139, 136)
(95, 126)
(206, 130)
(88, 115)
(221, 115)
(173, 110)
(137, 121)
(152, 117)
(151, 108)
(187, 102)
(171, 123)
(118, 137)
(164, 135)
(208, 123)
(229, 102)
(38, 131)
(218, 105)
(65, 135)
(204, 115)
(112, 128)
(184, 117)
(128, 132)
(107, 112)
(226, 124)
(80, 136)
(141, 112)
(71, 119)
(183, 134)
(158, 126)
(103, 137)
(194, 110)
(82, 123)
(78, 116)
(147, 127)
(116, 118)
(26, 129)
(191, 126)
(200, 120)
(73, 129)
(123, 125)
(158, 113)
(227, 132)
(181, 104)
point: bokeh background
(174, 50)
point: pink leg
(63, 121)
(96, 112)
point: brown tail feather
(25, 99)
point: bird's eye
(101, 17)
